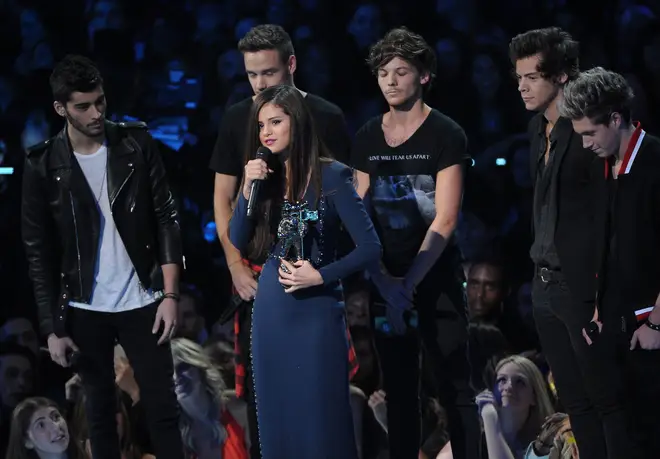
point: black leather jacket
(61, 221)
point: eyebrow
(272, 69)
(38, 419)
(98, 99)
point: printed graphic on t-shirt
(404, 201)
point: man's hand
(167, 314)
(396, 320)
(243, 279)
(58, 348)
(394, 291)
(647, 339)
(594, 320)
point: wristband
(172, 296)
(652, 326)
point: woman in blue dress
(299, 341)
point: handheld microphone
(71, 356)
(262, 153)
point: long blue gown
(299, 343)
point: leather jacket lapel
(65, 169)
(121, 161)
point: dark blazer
(61, 222)
(635, 222)
(579, 184)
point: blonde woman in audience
(513, 415)
(213, 421)
(39, 431)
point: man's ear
(562, 79)
(59, 109)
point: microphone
(262, 153)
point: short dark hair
(407, 45)
(596, 94)
(559, 53)
(494, 262)
(71, 74)
(267, 37)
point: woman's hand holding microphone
(255, 169)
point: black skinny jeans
(95, 333)
(589, 379)
(443, 334)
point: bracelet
(172, 296)
(652, 326)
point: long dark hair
(20, 423)
(304, 155)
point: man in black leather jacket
(102, 239)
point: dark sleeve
(453, 149)
(354, 217)
(167, 218)
(227, 158)
(241, 228)
(38, 230)
(359, 155)
(337, 138)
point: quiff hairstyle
(596, 94)
(267, 37)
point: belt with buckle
(547, 274)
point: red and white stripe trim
(633, 148)
(643, 314)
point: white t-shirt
(116, 284)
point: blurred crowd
(174, 64)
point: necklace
(103, 180)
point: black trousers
(95, 333)
(589, 380)
(442, 333)
(245, 342)
(641, 371)
(644, 372)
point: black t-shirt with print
(229, 151)
(402, 183)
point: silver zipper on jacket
(75, 227)
(121, 187)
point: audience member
(39, 431)
(213, 422)
(19, 330)
(515, 410)
(487, 295)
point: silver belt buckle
(545, 274)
